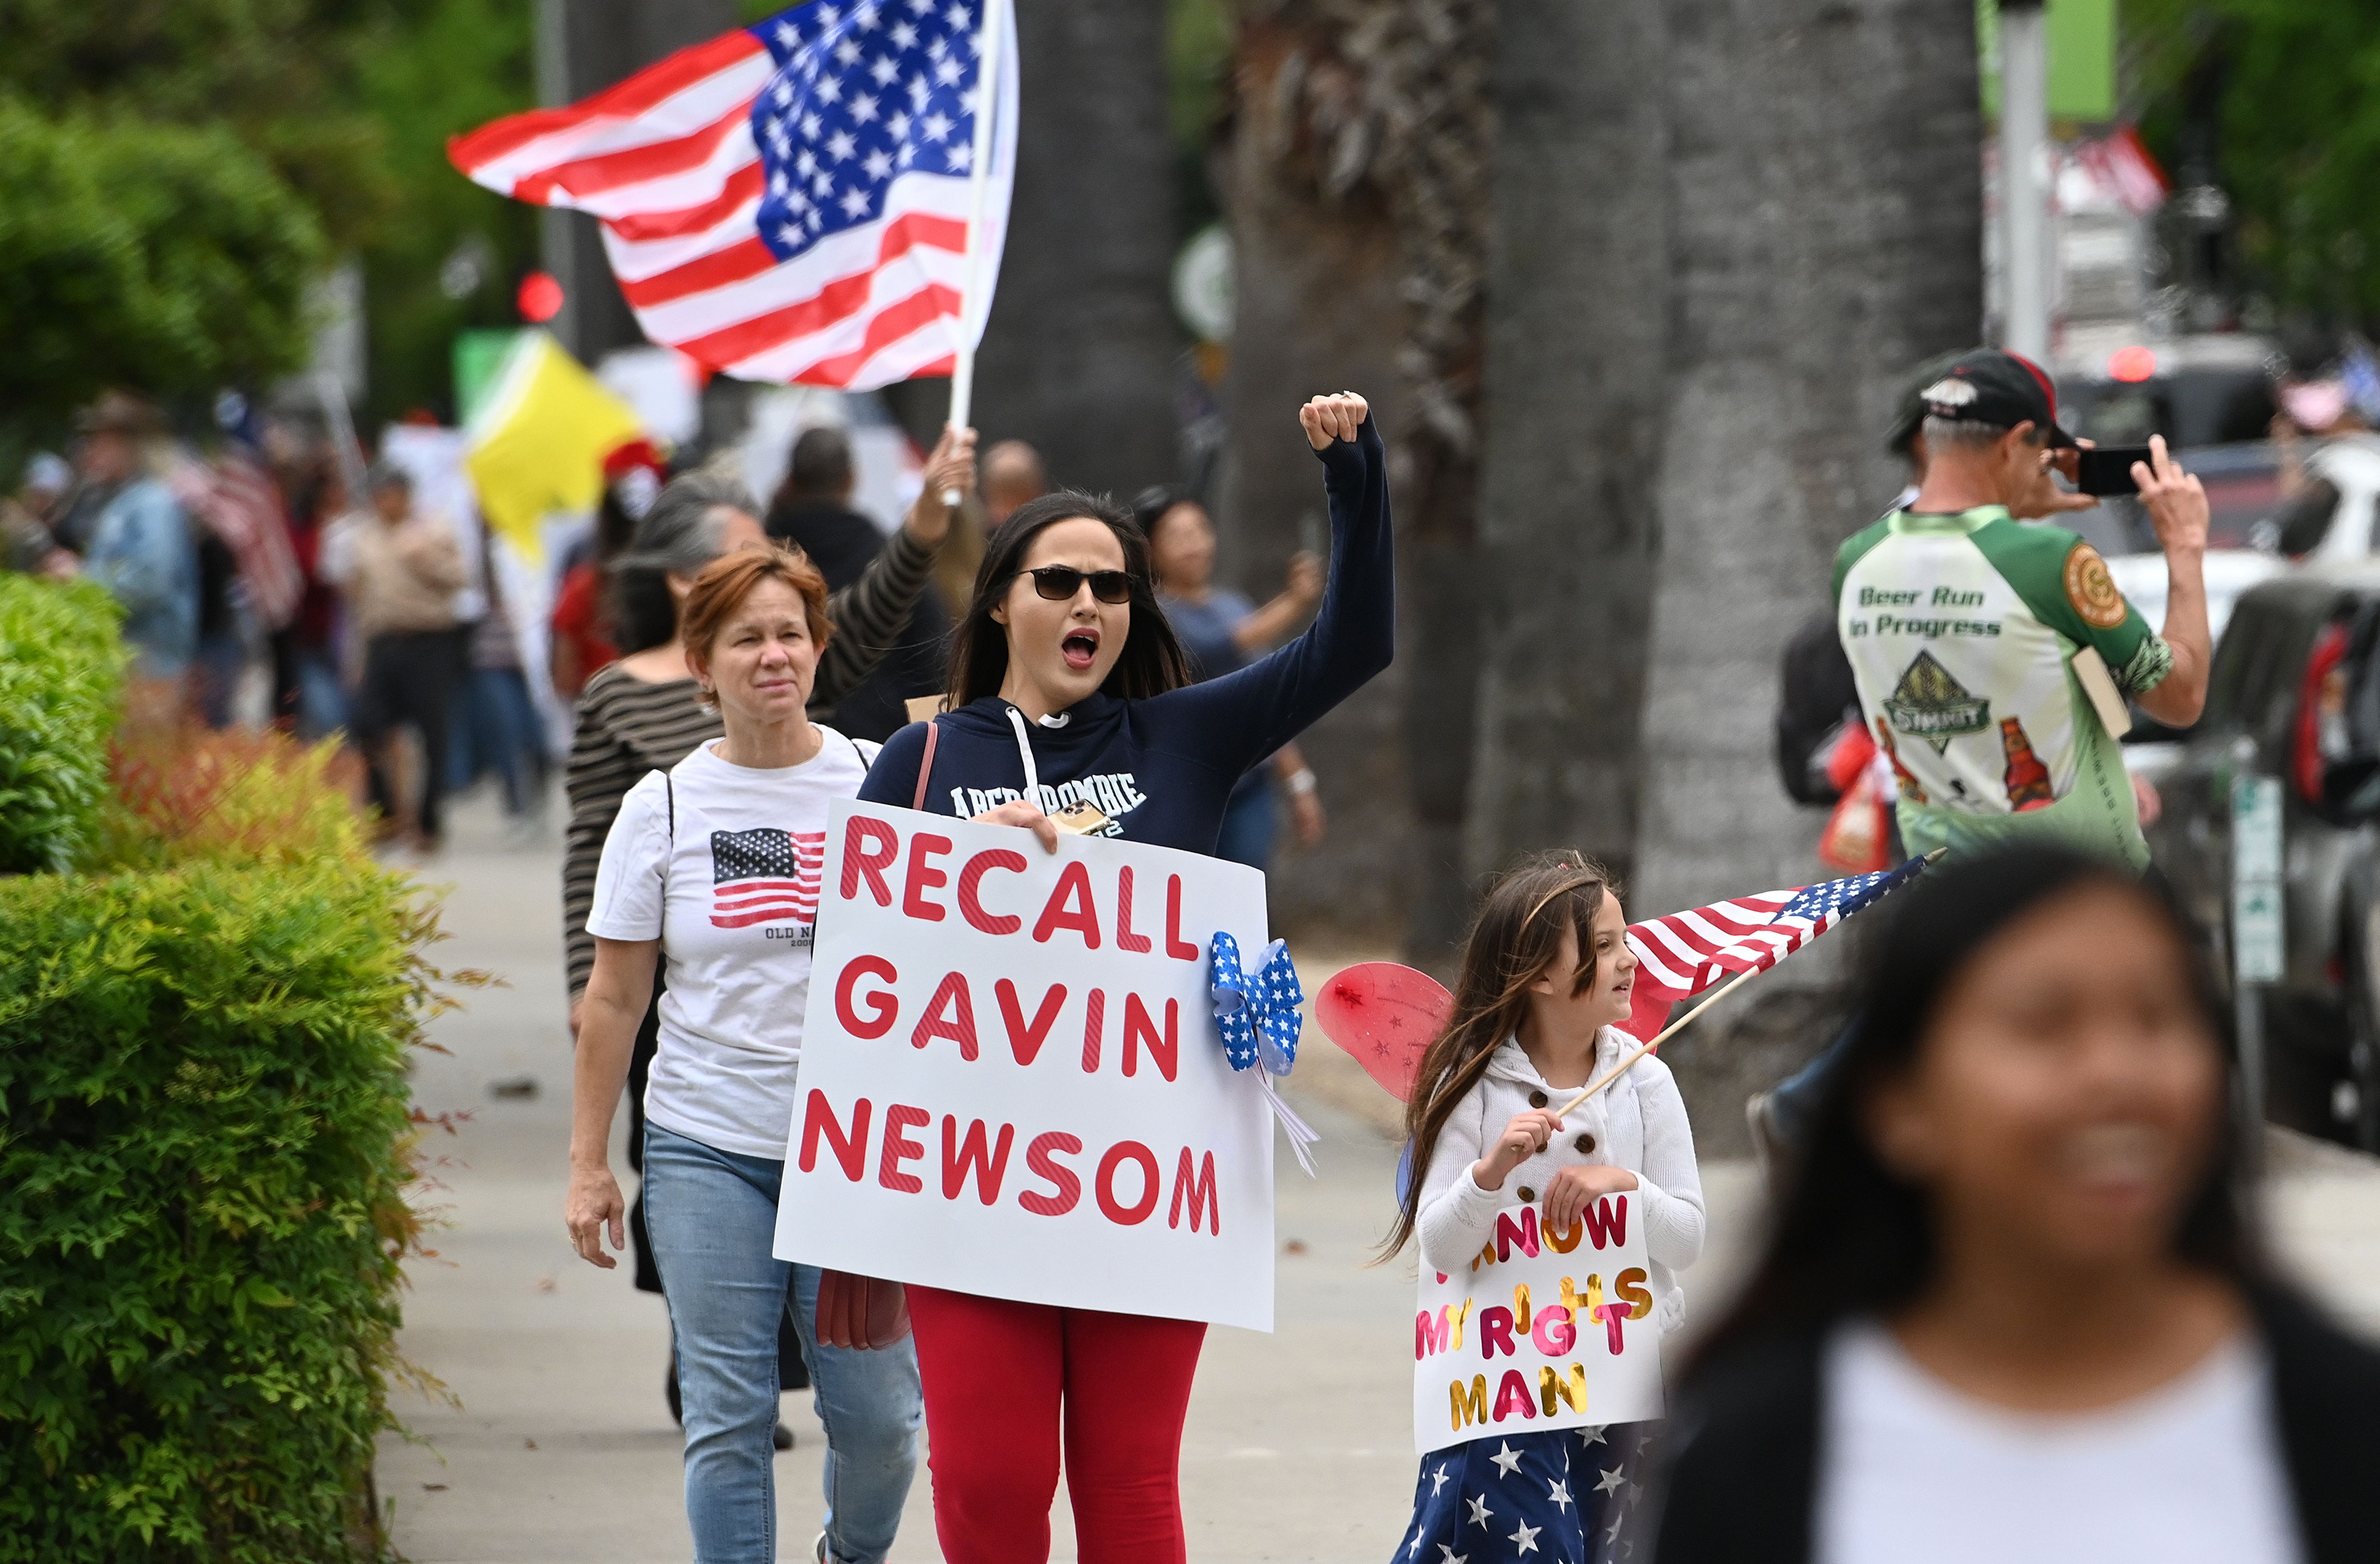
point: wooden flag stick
(1667, 1032)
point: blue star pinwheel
(1257, 1013)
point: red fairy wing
(1385, 1015)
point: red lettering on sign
(1513, 1395)
(1126, 939)
(1164, 1051)
(1521, 1235)
(1607, 1221)
(1553, 1333)
(1496, 1332)
(951, 1014)
(1199, 1191)
(1041, 1157)
(1612, 1314)
(857, 862)
(1431, 1332)
(971, 885)
(850, 1150)
(1025, 1040)
(1094, 1015)
(923, 876)
(899, 1148)
(1118, 1154)
(1070, 907)
(1176, 946)
(882, 1008)
(958, 1156)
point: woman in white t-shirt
(714, 864)
(2010, 1307)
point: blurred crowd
(272, 574)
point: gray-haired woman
(641, 714)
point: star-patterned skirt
(1565, 1496)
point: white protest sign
(1547, 1329)
(1011, 1079)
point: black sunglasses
(1061, 582)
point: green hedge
(207, 1137)
(61, 673)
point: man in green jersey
(1975, 641)
(1978, 642)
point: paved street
(560, 1448)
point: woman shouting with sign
(1069, 699)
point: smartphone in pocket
(2107, 469)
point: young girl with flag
(1547, 976)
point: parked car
(2295, 693)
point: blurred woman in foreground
(2012, 1308)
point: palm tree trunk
(1826, 211)
(1577, 354)
(1079, 354)
(1318, 309)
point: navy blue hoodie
(1163, 768)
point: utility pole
(2025, 133)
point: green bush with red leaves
(205, 1140)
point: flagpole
(987, 100)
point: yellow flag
(537, 443)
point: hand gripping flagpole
(987, 101)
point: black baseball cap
(1994, 386)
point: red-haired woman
(714, 865)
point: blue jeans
(713, 1215)
(497, 728)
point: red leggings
(995, 1373)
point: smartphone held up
(2107, 469)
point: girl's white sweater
(1638, 1123)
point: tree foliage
(169, 258)
(325, 118)
(2286, 94)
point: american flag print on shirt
(765, 876)
(790, 201)
(1680, 955)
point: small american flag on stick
(1684, 954)
(765, 876)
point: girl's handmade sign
(1546, 1328)
(1012, 1079)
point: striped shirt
(627, 727)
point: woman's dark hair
(1152, 505)
(1151, 661)
(1846, 1235)
(1515, 938)
(680, 532)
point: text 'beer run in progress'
(1962, 631)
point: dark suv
(2295, 693)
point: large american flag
(790, 201)
(765, 876)
(1684, 954)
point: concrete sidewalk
(1299, 1444)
